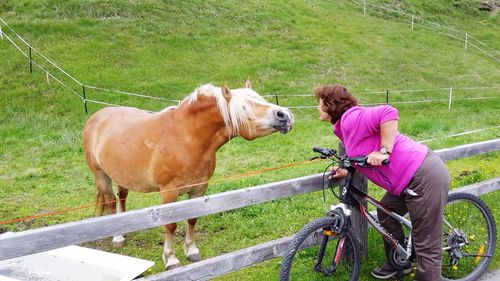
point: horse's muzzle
(284, 130)
(284, 118)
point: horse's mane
(236, 112)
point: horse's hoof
(171, 262)
(172, 266)
(118, 241)
(194, 258)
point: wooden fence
(53, 237)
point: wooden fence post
(359, 226)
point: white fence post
(466, 35)
(449, 98)
(1, 33)
(412, 21)
(364, 8)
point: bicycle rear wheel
(318, 253)
(469, 237)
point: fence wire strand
(130, 94)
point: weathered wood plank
(480, 188)
(467, 150)
(223, 264)
(53, 237)
(220, 265)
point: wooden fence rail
(53, 237)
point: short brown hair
(336, 100)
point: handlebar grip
(325, 152)
(386, 162)
(318, 149)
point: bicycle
(326, 247)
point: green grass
(167, 49)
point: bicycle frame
(347, 197)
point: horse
(173, 151)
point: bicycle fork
(327, 271)
(341, 212)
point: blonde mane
(237, 111)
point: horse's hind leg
(105, 199)
(119, 240)
(190, 249)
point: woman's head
(333, 100)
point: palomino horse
(173, 148)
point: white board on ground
(73, 263)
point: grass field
(167, 49)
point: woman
(416, 180)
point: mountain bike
(327, 249)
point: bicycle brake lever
(314, 158)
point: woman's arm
(388, 132)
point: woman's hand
(375, 158)
(337, 173)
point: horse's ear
(248, 84)
(226, 93)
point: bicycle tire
(351, 263)
(472, 217)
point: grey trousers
(430, 185)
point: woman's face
(323, 116)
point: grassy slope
(169, 49)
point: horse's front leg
(169, 258)
(190, 249)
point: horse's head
(245, 113)
(251, 116)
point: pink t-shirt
(359, 130)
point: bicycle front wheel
(318, 253)
(469, 237)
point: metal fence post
(30, 61)
(359, 226)
(387, 97)
(276, 97)
(84, 99)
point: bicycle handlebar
(358, 160)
